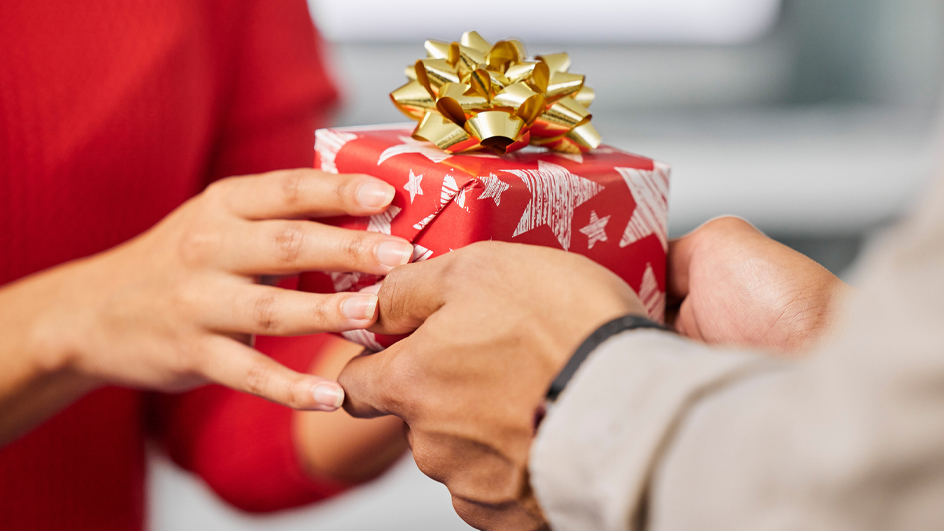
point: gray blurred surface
(403, 499)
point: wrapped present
(605, 204)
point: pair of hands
(494, 324)
(175, 308)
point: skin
(489, 339)
(489, 336)
(729, 284)
(337, 446)
(175, 308)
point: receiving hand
(494, 324)
(730, 284)
(175, 307)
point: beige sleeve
(655, 432)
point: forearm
(598, 445)
(37, 378)
(688, 436)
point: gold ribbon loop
(472, 95)
(413, 99)
(563, 84)
(557, 62)
(473, 40)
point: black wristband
(610, 329)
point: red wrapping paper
(607, 205)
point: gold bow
(471, 95)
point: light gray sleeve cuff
(595, 451)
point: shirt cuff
(596, 448)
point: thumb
(370, 386)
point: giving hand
(175, 307)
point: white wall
(664, 21)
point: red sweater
(112, 113)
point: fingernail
(393, 253)
(374, 194)
(375, 289)
(360, 307)
(329, 395)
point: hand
(336, 446)
(495, 323)
(730, 284)
(175, 307)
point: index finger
(410, 294)
(302, 193)
(678, 259)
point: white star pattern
(650, 189)
(381, 222)
(460, 197)
(346, 281)
(363, 338)
(410, 145)
(596, 230)
(414, 186)
(328, 143)
(493, 188)
(651, 297)
(420, 253)
(421, 224)
(449, 190)
(555, 193)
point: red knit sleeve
(274, 92)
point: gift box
(605, 204)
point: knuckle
(198, 246)
(265, 313)
(357, 249)
(465, 510)
(427, 458)
(393, 300)
(344, 190)
(728, 224)
(326, 310)
(291, 185)
(187, 360)
(218, 196)
(257, 379)
(289, 240)
(183, 297)
(216, 191)
(296, 395)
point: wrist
(837, 293)
(621, 324)
(48, 322)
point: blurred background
(817, 121)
